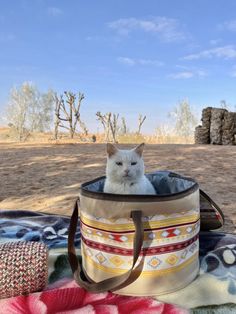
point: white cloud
(150, 62)
(187, 74)
(225, 52)
(166, 28)
(144, 62)
(214, 42)
(182, 67)
(126, 61)
(201, 73)
(228, 25)
(53, 11)
(182, 75)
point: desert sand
(46, 177)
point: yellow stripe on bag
(154, 272)
(146, 224)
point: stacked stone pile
(217, 116)
(229, 128)
(202, 132)
(206, 118)
(218, 127)
(201, 135)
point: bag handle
(212, 204)
(110, 283)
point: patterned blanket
(214, 290)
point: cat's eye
(133, 163)
(119, 163)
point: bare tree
(68, 115)
(70, 100)
(224, 105)
(58, 101)
(105, 120)
(114, 126)
(29, 110)
(110, 125)
(141, 120)
(83, 127)
(123, 128)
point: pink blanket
(66, 297)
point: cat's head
(124, 165)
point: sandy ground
(46, 177)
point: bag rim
(138, 197)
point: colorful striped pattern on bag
(170, 243)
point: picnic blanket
(213, 291)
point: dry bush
(133, 138)
(6, 135)
(165, 134)
(170, 139)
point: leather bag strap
(109, 284)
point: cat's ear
(139, 149)
(111, 149)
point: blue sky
(126, 56)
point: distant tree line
(30, 110)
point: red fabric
(67, 298)
(23, 268)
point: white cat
(125, 172)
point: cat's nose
(126, 171)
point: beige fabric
(169, 259)
(115, 210)
(154, 284)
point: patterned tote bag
(137, 244)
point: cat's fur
(125, 172)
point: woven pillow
(23, 268)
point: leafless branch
(141, 120)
